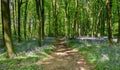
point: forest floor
(65, 58)
(82, 53)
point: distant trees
(5, 10)
(69, 18)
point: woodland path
(65, 58)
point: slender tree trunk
(118, 40)
(38, 21)
(49, 23)
(54, 5)
(56, 18)
(102, 31)
(109, 16)
(2, 23)
(75, 19)
(25, 19)
(67, 21)
(6, 27)
(14, 17)
(19, 26)
(43, 19)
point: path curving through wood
(65, 58)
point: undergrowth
(99, 53)
(28, 53)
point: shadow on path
(64, 58)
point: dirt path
(65, 58)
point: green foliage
(90, 19)
(115, 29)
(48, 51)
(19, 64)
(91, 14)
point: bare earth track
(65, 58)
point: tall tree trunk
(54, 5)
(43, 19)
(49, 34)
(56, 19)
(25, 18)
(67, 24)
(66, 18)
(2, 25)
(75, 19)
(109, 23)
(102, 31)
(118, 8)
(38, 21)
(14, 17)
(6, 27)
(19, 26)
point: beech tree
(38, 21)
(43, 18)
(25, 18)
(5, 10)
(69, 18)
(19, 26)
(118, 8)
(109, 22)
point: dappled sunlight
(64, 52)
(46, 58)
(104, 58)
(18, 62)
(31, 48)
(98, 52)
(60, 50)
(22, 64)
(115, 39)
(88, 38)
(82, 68)
(81, 61)
(59, 34)
(64, 58)
(28, 53)
(61, 53)
(73, 50)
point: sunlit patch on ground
(95, 50)
(61, 53)
(98, 52)
(28, 53)
(65, 58)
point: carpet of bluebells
(95, 50)
(28, 53)
(98, 52)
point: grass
(19, 64)
(99, 53)
(28, 54)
